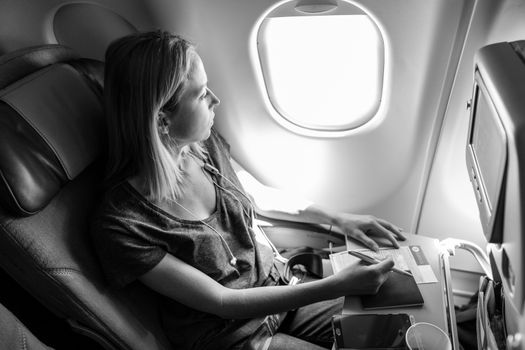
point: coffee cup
(426, 336)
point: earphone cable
(233, 260)
(215, 171)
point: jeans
(309, 327)
(306, 328)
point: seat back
(51, 140)
(15, 336)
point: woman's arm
(277, 204)
(177, 280)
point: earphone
(211, 169)
(311, 261)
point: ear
(163, 123)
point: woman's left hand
(362, 227)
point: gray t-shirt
(132, 235)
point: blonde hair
(144, 74)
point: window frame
(286, 9)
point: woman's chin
(207, 134)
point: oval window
(324, 72)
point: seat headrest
(17, 64)
(51, 123)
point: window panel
(322, 72)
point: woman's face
(193, 119)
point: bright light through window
(322, 72)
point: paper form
(409, 258)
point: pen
(371, 260)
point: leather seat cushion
(48, 135)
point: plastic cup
(426, 336)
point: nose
(214, 99)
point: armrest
(291, 234)
(451, 244)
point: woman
(176, 218)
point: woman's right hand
(361, 279)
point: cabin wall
(407, 165)
(449, 208)
(379, 168)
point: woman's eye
(205, 94)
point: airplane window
(322, 73)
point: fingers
(392, 228)
(363, 279)
(381, 272)
(385, 265)
(381, 231)
(359, 226)
(367, 241)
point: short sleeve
(124, 253)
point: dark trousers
(309, 327)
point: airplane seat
(52, 133)
(89, 28)
(14, 335)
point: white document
(409, 258)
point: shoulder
(112, 195)
(120, 233)
(123, 220)
(115, 206)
